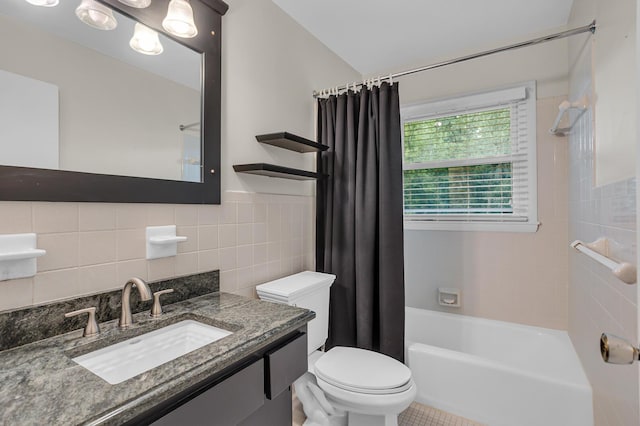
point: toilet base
(358, 419)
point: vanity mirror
(118, 110)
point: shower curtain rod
(568, 33)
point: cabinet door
(285, 364)
(276, 412)
(225, 404)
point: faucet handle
(91, 329)
(156, 309)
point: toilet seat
(363, 371)
(366, 403)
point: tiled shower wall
(598, 302)
(94, 247)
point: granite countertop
(40, 384)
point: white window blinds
(471, 159)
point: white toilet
(354, 386)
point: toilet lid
(363, 371)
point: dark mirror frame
(31, 184)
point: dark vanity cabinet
(254, 391)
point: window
(470, 163)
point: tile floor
(415, 415)
(422, 415)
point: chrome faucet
(145, 294)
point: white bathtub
(497, 373)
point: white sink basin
(127, 359)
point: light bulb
(96, 15)
(44, 3)
(179, 19)
(138, 4)
(145, 40)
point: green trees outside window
(450, 167)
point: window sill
(424, 225)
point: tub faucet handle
(92, 328)
(616, 350)
(156, 309)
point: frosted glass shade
(44, 3)
(96, 15)
(179, 19)
(145, 40)
(138, 4)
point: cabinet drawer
(284, 365)
(225, 404)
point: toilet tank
(308, 290)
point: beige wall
(519, 277)
(516, 277)
(598, 302)
(614, 77)
(270, 67)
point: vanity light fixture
(44, 3)
(96, 15)
(145, 40)
(138, 4)
(179, 19)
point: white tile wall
(94, 247)
(598, 302)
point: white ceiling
(376, 36)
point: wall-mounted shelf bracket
(272, 170)
(291, 142)
(18, 255)
(162, 241)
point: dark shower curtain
(359, 218)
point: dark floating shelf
(272, 170)
(292, 142)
